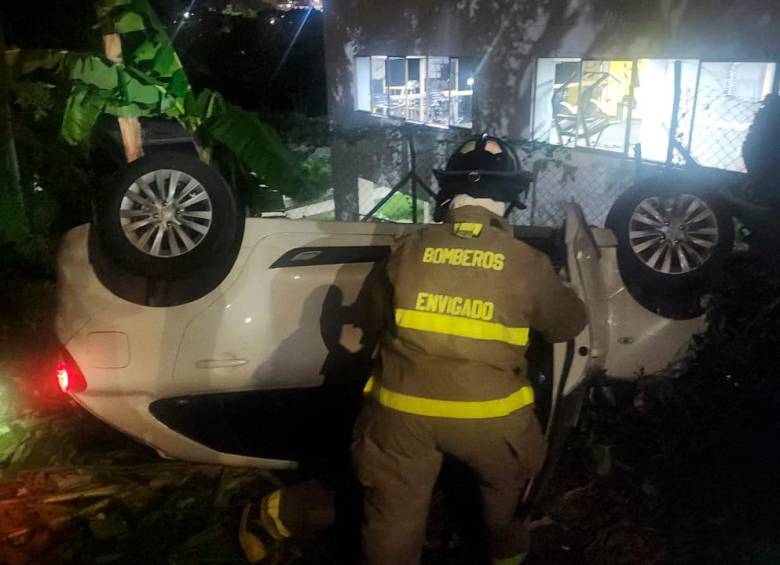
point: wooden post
(130, 128)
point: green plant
(151, 82)
(317, 178)
(399, 209)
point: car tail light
(69, 376)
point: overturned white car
(253, 360)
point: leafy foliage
(698, 451)
(151, 82)
(399, 208)
(34, 97)
(23, 62)
(256, 146)
(317, 178)
(55, 181)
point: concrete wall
(507, 36)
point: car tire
(671, 233)
(167, 215)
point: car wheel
(671, 234)
(167, 215)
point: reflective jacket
(457, 301)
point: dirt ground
(76, 491)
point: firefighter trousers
(398, 456)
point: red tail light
(69, 376)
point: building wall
(507, 36)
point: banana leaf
(127, 110)
(151, 82)
(81, 113)
(129, 22)
(257, 146)
(141, 93)
(166, 62)
(94, 71)
(147, 51)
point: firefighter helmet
(483, 166)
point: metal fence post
(675, 112)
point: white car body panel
(245, 317)
(626, 339)
(640, 341)
(260, 328)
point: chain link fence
(720, 130)
(715, 115)
(592, 180)
(713, 125)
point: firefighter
(456, 302)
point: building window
(587, 102)
(618, 105)
(430, 90)
(654, 102)
(462, 80)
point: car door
(274, 366)
(575, 362)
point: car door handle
(306, 255)
(219, 363)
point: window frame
(454, 88)
(420, 96)
(384, 85)
(389, 86)
(424, 61)
(689, 136)
(357, 91)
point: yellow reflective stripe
(472, 229)
(271, 505)
(253, 546)
(460, 409)
(461, 327)
(514, 560)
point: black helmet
(483, 167)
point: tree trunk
(131, 138)
(130, 128)
(13, 219)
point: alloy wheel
(166, 213)
(674, 233)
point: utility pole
(13, 219)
